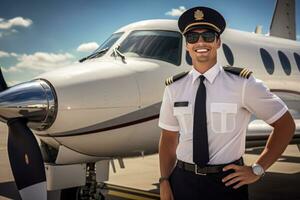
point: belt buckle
(198, 173)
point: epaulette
(176, 77)
(242, 72)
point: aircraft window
(110, 41)
(285, 63)
(160, 45)
(228, 54)
(267, 60)
(297, 59)
(103, 48)
(188, 58)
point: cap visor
(201, 27)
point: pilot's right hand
(166, 191)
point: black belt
(208, 169)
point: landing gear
(91, 190)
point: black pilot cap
(201, 17)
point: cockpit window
(160, 45)
(103, 48)
(109, 42)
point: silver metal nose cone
(35, 100)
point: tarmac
(139, 179)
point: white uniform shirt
(230, 101)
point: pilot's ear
(186, 46)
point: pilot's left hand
(243, 175)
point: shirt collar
(210, 74)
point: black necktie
(200, 142)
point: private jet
(67, 126)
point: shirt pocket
(223, 117)
(184, 116)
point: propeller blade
(3, 85)
(26, 161)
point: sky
(37, 36)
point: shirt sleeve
(167, 120)
(258, 99)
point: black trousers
(188, 185)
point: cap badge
(198, 15)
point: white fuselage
(109, 108)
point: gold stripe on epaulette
(242, 72)
(248, 74)
(169, 81)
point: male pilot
(204, 117)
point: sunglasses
(207, 36)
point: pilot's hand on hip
(243, 175)
(166, 191)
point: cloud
(176, 11)
(41, 61)
(13, 54)
(6, 54)
(88, 47)
(8, 32)
(3, 54)
(17, 21)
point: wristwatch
(161, 179)
(258, 170)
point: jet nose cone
(35, 100)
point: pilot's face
(203, 49)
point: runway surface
(139, 180)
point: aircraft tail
(284, 21)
